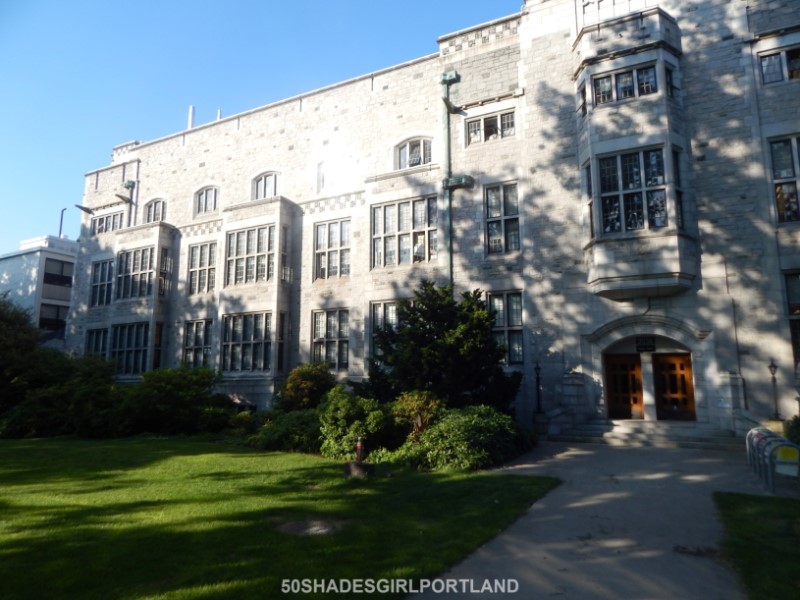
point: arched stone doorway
(649, 377)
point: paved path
(633, 523)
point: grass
(762, 540)
(187, 519)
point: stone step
(654, 434)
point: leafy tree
(18, 339)
(443, 347)
(306, 386)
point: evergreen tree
(444, 347)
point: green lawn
(181, 518)
(762, 540)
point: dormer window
(155, 211)
(413, 153)
(265, 186)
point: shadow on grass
(181, 519)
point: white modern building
(619, 176)
(38, 278)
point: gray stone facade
(611, 166)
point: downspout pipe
(450, 183)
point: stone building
(619, 176)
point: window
(202, 268)
(332, 249)
(320, 177)
(246, 342)
(404, 232)
(106, 223)
(135, 273)
(632, 193)
(582, 100)
(384, 315)
(587, 177)
(502, 218)
(97, 341)
(197, 344)
(265, 186)
(205, 201)
(793, 304)
(507, 310)
(413, 153)
(625, 84)
(331, 338)
(281, 341)
(676, 178)
(53, 317)
(490, 127)
(164, 272)
(780, 66)
(129, 347)
(155, 211)
(785, 169)
(58, 272)
(250, 256)
(102, 282)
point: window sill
(403, 172)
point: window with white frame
(331, 338)
(265, 186)
(97, 341)
(502, 218)
(107, 223)
(413, 153)
(129, 344)
(197, 343)
(155, 211)
(785, 170)
(205, 201)
(102, 282)
(780, 66)
(250, 255)
(622, 85)
(332, 249)
(507, 310)
(135, 273)
(404, 232)
(587, 178)
(384, 316)
(247, 342)
(202, 268)
(632, 191)
(490, 127)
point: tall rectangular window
(97, 342)
(331, 338)
(247, 342)
(202, 268)
(632, 191)
(197, 343)
(793, 305)
(384, 315)
(785, 170)
(135, 273)
(332, 249)
(502, 218)
(250, 255)
(102, 282)
(507, 310)
(404, 232)
(129, 344)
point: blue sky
(78, 77)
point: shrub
(418, 410)
(474, 437)
(345, 417)
(305, 387)
(294, 431)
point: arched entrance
(649, 377)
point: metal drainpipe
(447, 79)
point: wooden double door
(672, 386)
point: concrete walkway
(633, 523)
